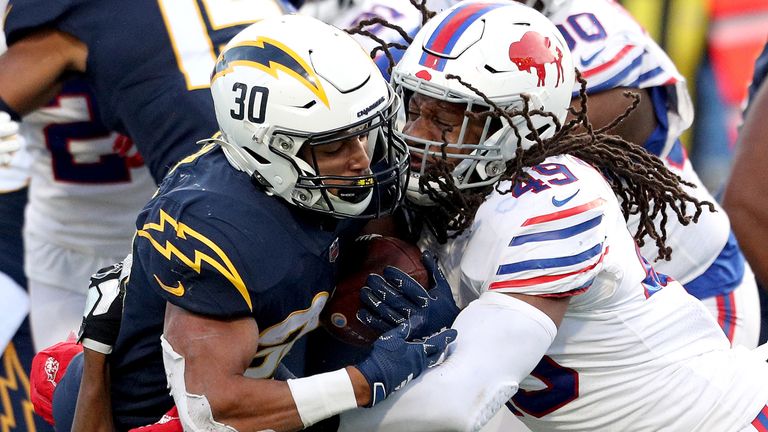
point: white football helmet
(292, 81)
(505, 50)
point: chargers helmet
(288, 82)
(505, 50)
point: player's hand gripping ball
(367, 255)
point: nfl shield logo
(333, 251)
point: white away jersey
(397, 12)
(634, 351)
(86, 190)
(612, 50)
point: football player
(615, 54)
(235, 255)
(744, 190)
(75, 222)
(148, 81)
(563, 320)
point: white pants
(58, 280)
(54, 313)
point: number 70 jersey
(149, 62)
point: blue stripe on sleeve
(550, 262)
(557, 234)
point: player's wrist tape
(320, 396)
(11, 112)
(96, 346)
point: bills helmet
(507, 51)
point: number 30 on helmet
(292, 81)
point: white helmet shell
(507, 51)
(291, 81)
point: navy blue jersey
(149, 62)
(212, 243)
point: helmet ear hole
(540, 131)
(256, 156)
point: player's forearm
(94, 408)
(481, 374)
(32, 68)
(248, 404)
(744, 191)
(749, 221)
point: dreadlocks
(644, 185)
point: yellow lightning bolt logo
(270, 56)
(15, 380)
(219, 261)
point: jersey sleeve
(611, 49)
(26, 16)
(555, 243)
(191, 261)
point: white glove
(10, 142)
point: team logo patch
(333, 251)
(176, 240)
(534, 51)
(270, 56)
(51, 369)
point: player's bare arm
(32, 68)
(194, 343)
(98, 332)
(606, 106)
(240, 402)
(94, 410)
(747, 213)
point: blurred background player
(615, 54)
(16, 349)
(348, 14)
(89, 183)
(566, 315)
(746, 186)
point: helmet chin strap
(347, 207)
(237, 156)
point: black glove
(393, 298)
(104, 307)
(395, 360)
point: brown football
(368, 254)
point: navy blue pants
(65, 395)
